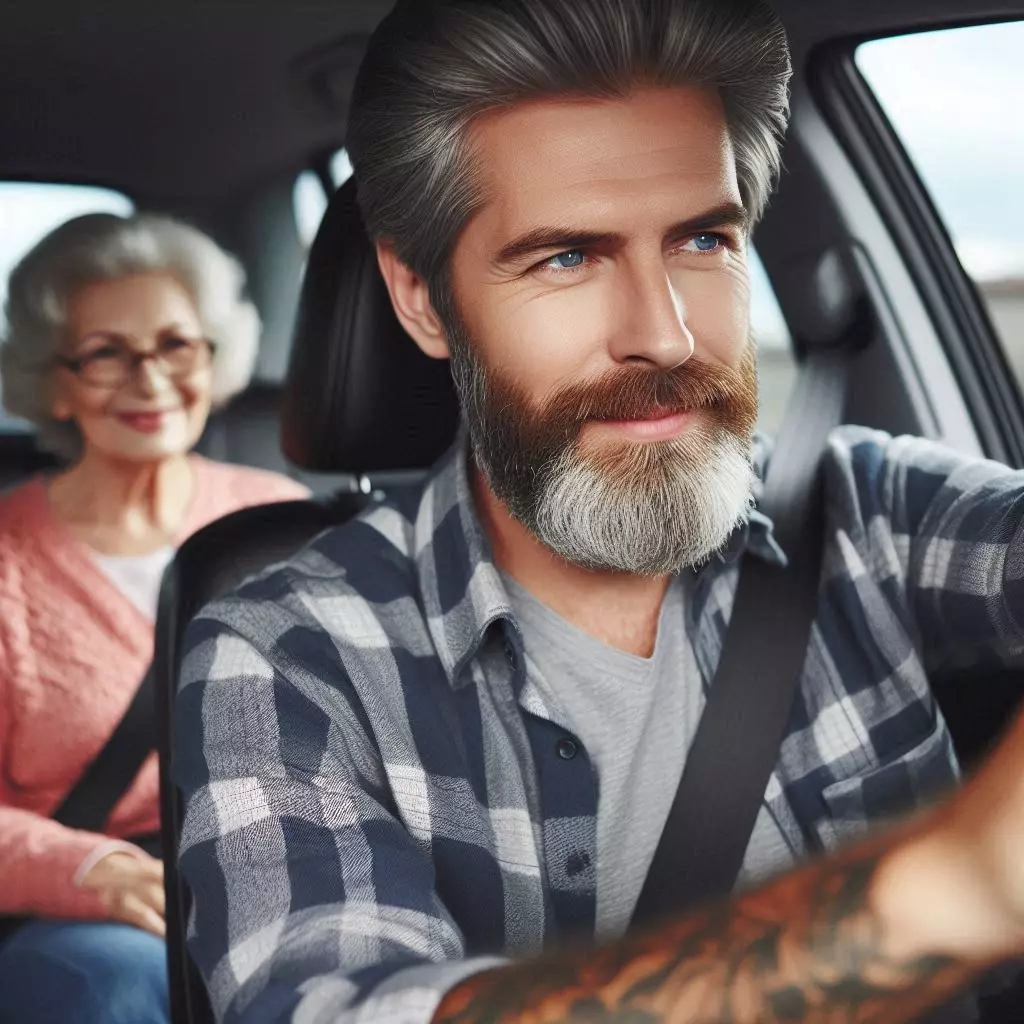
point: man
(446, 737)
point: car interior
(225, 114)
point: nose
(653, 326)
(150, 379)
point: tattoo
(805, 948)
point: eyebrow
(171, 328)
(548, 238)
(77, 344)
(114, 335)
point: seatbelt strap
(736, 746)
(106, 780)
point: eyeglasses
(114, 363)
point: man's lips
(659, 426)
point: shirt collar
(463, 595)
(756, 534)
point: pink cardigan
(72, 651)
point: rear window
(309, 203)
(341, 168)
(310, 199)
(28, 212)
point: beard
(644, 508)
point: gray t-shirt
(636, 717)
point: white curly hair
(101, 246)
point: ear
(410, 297)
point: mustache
(637, 392)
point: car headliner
(194, 101)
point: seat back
(245, 432)
(21, 458)
(208, 565)
(360, 397)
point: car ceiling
(189, 99)
(197, 100)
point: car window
(340, 167)
(310, 199)
(310, 204)
(777, 368)
(955, 99)
(776, 365)
(30, 210)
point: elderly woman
(123, 333)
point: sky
(956, 98)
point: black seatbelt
(106, 780)
(736, 746)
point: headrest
(360, 395)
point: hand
(131, 887)
(994, 803)
(984, 826)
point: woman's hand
(131, 887)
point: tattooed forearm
(806, 948)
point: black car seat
(22, 458)
(360, 397)
(247, 431)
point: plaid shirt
(376, 805)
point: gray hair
(102, 246)
(433, 66)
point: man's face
(602, 346)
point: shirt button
(577, 863)
(566, 748)
(510, 654)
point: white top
(138, 576)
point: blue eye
(568, 260)
(707, 242)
